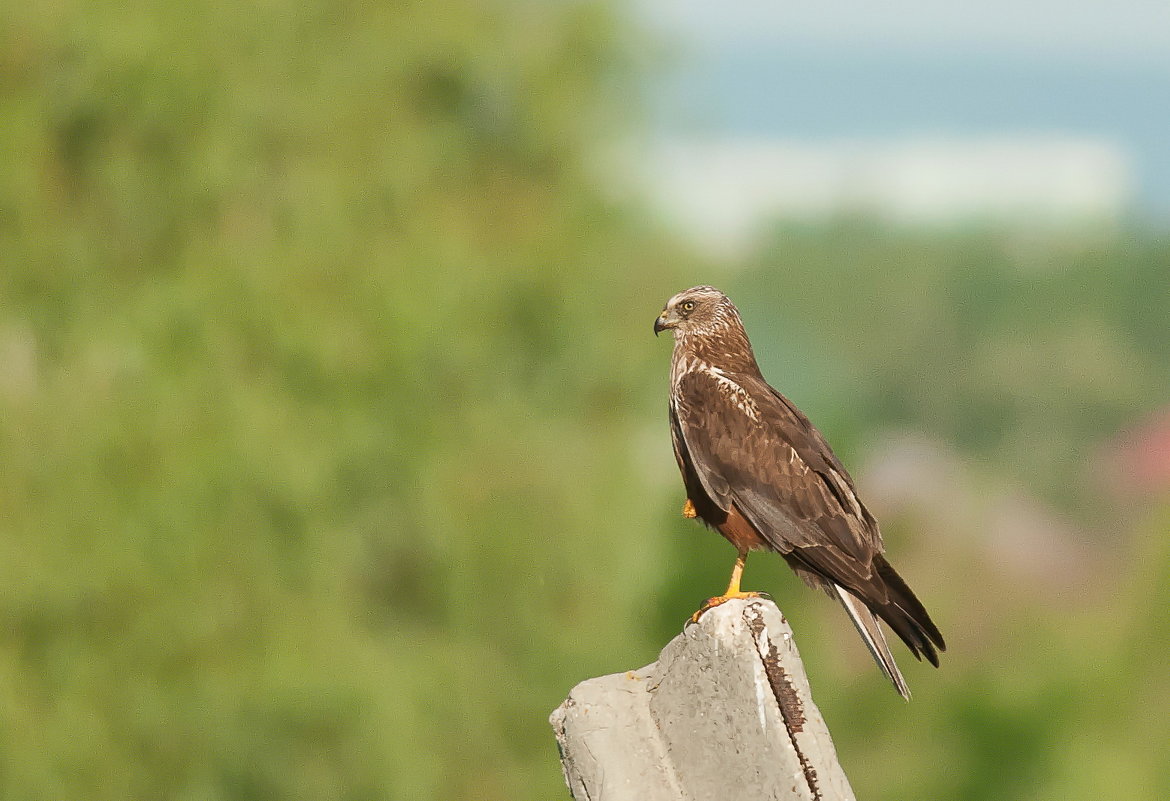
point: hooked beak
(662, 323)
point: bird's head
(698, 310)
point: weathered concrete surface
(725, 713)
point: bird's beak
(665, 320)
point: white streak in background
(1112, 29)
(724, 192)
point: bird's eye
(689, 306)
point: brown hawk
(757, 471)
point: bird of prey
(756, 470)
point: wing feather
(787, 481)
(699, 480)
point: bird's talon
(689, 510)
(711, 603)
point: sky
(1090, 72)
(1136, 31)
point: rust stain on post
(791, 707)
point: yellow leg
(736, 574)
(689, 510)
(733, 590)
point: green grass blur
(332, 433)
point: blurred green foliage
(332, 437)
(317, 392)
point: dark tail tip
(906, 615)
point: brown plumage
(757, 471)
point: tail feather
(908, 601)
(906, 615)
(871, 632)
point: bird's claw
(711, 603)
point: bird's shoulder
(744, 404)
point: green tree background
(332, 434)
